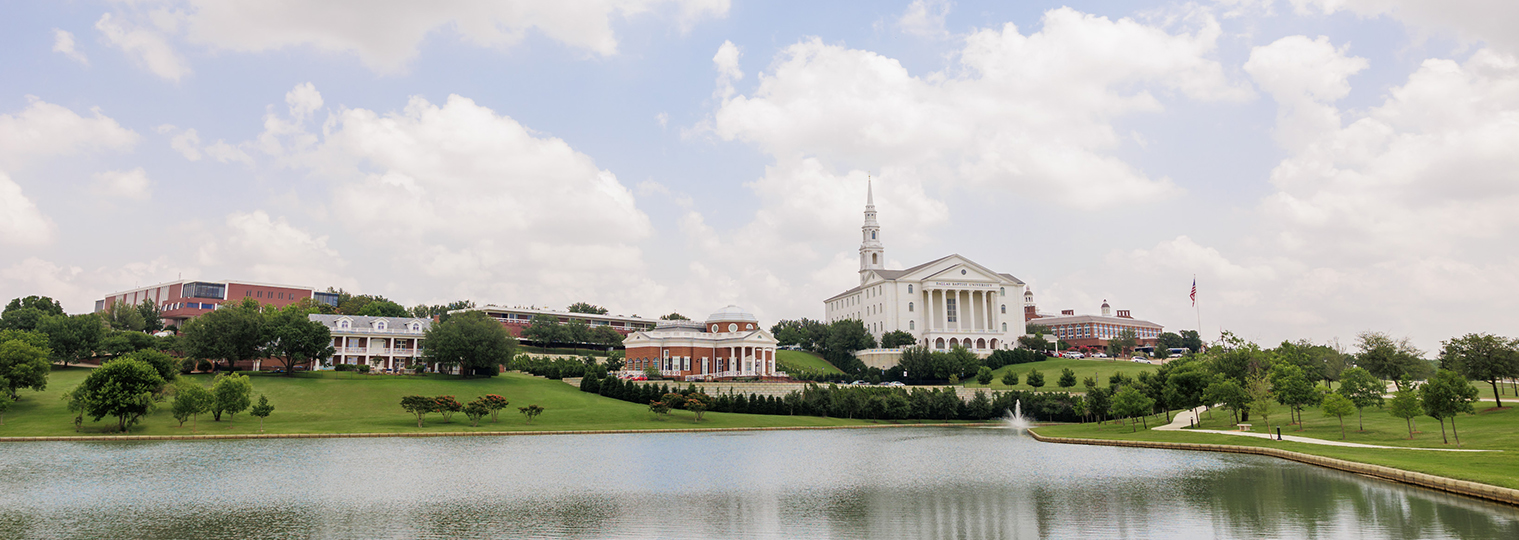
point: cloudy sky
(1322, 166)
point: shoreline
(1468, 488)
(131, 438)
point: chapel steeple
(872, 253)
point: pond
(874, 483)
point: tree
(1446, 395)
(605, 335)
(190, 401)
(1169, 340)
(152, 317)
(1010, 378)
(27, 313)
(1259, 390)
(123, 389)
(544, 330)
(1338, 406)
(447, 406)
(476, 410)
(72, 337)
(1067, 378)
(577, 331)
(293, 338)
(494, 403)
(261, 410)
(530, 412)
(123, 316)
(582, 307)
(471, 340)
(167, 366)
(1130, 403)
(1123, 343)
(383, 308)
(1230, 394)
(418, 405)
(233, 393)
(232, 333)
(1363, 390)
(897, 339)
(1292, 389)
(984, 375)
(1405, 404)
(844, 338)
(698, 403)
(440, 312)
(1482, 357)
(5, 403)
(1035, 379)
(118, 343)
(674, 316)
(22, 365)
(1191, 340)
(1098, 401)
(1388, 358)
(1186, 382)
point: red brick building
(182, 300)
(729, 344)
(517, 318)
(1091, 331)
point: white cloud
(385, 34)
(77, 288)
(45, 130)
(21, 223)
(728, 70)
(133, 184)
(925, 18)
(1490, 21)
(63, 42)
(146, 46)
(187, 143)
(273, 250)
(1304, 76)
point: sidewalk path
(1184, 419)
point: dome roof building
(730, 344)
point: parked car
(859, 383)
(893, 383)
(1099, 355)
(1072, 354)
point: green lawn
(1099, 369)
(803, 361)
(1488, 429)
(331, 402)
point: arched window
(912, 325)
(343, 324)
(1004, 327)
(909, 306)
(1004, 309)
(875, 258)
(1002, 291)
(379, 325)
(872, 235)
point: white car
(1100, 355)
(1072, 355)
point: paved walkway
(1184, 419)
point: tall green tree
(1034, 379)
(1123, 343)
(1291, 388)
(123, 316)
(1192, 340)
(897, 339)
(1363, 390)
(27, 313)
(844, 338)
(544, 330)
(73, 337)
(1230, 394)
(473, 341)
(578, 332)
(190, 401)
(22, 365)
(294, 339)
(583, 307)
(1405, 404)
(605, 336)
(1130, 403)
(166, 366)
(233, 333)
(1482, 357)
(123, 389)
(383, 308)
(1390, 359)
(1186, 384)
(152, 317)
(1067, 378)
(1444, 396)
(234, 393)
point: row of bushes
(874, 402)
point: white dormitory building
(392, 343)
(945, 302)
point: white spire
(872, 253)
(870, 195)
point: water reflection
(907, 483)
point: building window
(247, 293)
(379, 325)
(1004, 309)
(260, 294)
(732, 327)
(949, 310)
(872, 235)
(1002, 291)
(909, 288)
(1004, 327)
(909, 307)
(912, 325)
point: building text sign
(963, 284)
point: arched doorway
(954, 342)
(939, 343)
(980, 344)
(994, 343)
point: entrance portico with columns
(942, 303)
(730, 344)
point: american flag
(1194, 292)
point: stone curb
(1450, 485)
(118, 438)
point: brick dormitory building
(1091, 331)
(730, 344)
(183, 300)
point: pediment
(952, 269)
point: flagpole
(1197, 308)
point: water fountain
(1015, 418)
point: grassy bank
(1099, 369)
(803, 361)
(1487, 430)
(329, 402)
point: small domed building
(730, 344)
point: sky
(1320, 167)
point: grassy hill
(1099, 369)
(798, 361)
(330, 402)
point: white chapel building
(945, 302)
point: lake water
(876, 483)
